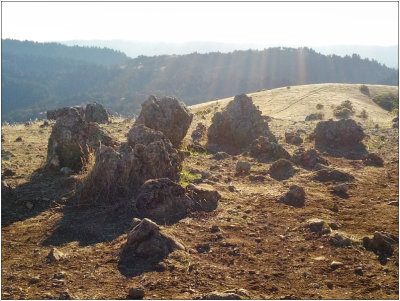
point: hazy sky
(282, 23)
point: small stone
(66, 170)
(341, 188)
(394, 203)
(161, 267)
(243, 167)
(231, 188)
(258, 240)
(34, 280)
(336, 264)
(55, 255)
(215, 229)
(329, 285)
(358, 271)
(136, 292)
(19, 139)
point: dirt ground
(262, 246)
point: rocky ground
(251, 246)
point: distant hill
(94, 54)
(33, 82)
(387, 55)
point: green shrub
(344, 110)
(387, 101)
(364, 90)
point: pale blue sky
(282, 23)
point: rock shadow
(45, 189)
(355, 152)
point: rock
(163, 200)
(266, 150)
(330, 174)
(234, 294)
(257, 178)
(66, 171)
(394, 203)
(8, 173)
(372, 159)
(205, 196)
(135, 221)
(148, 154)
(308, 159)
(243, 167)
(44, 124)
(65, 296)
(34, 280)
(238, 125)
(221, 156)
(55, 255)
(136, 292)
(148, 241)
(72, 139)
(195, 147)
(215, 229)
(281, 169)
(95, 112)
(339, 239)
(7, 192)
(293, 138)
(199, 133)
(359, 271)
(54, 114)
(294, 197)
(19, 139)
(29, 205)
(336, 264)
(380, 243)
(318, 225)
(339, 137)
(168, 115)
(314, 116)
(231, 188)
(342, 188)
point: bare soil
(261, 245)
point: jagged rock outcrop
(341, 138)
(72, 139)
(204, 196)
(54, 114)
(308, 159)
(237, 126)
(168, 115)
(148, 154)
(95, 112)
(199, 133)
(265, 150)
(380, 243)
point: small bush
(319, 106)
(387, 101)
(364, 90)
(344, 110)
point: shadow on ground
(44, 189)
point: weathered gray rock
(233, 294)
(341, 188)
(221, 156)
(238, 125)
(264, 150)
(294, 197)
(293, 138)
(331, 174)
(148, 241)
(339, 137)
(380, 243)
(205, 196)
(168, 115)
(318, 225)
(308, 159)
(55, 255)
(243, 167)
(199, 133)
(281, 169)
(136, 292)
(72, 139)
(95, 112)
(148, 154)
(372, 159)
(340, 239)
(163, 200)
(54, 114)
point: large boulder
(373, 159)
(331, 174)
(238, 125)
(149, 242)
(265, 150)
(163, 200)
(204, 196)
(339, 137)
(168, 115)
(380, 243)
(148, 154)
(72, 139)
(95, 112)
(308, 159)
(54, 114)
